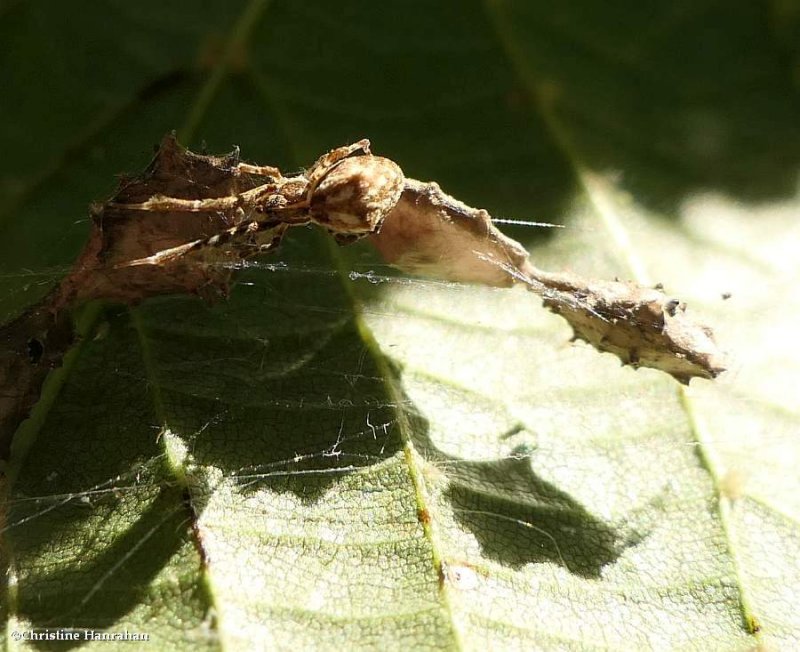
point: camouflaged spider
(348, 191)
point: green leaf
(330, 459)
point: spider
(348, 191)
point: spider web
(269, 435)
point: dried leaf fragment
(429, 233)
(30, 347)
(642, 326)
(432, 234)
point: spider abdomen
(357, 194)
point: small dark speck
(671, 306)
(726, 296)
(35, 350)
(658, 286)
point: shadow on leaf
(518, 518)
(101, 586)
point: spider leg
(261, 242)
(249, 230)
(261, 170)
(165, 204)
(268, 193)
(165, 255)
(327, 161)
(288, 195)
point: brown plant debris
(431, 234)
(167, 231)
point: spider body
(348, 191)
(355, 196)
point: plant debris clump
(182, 225)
